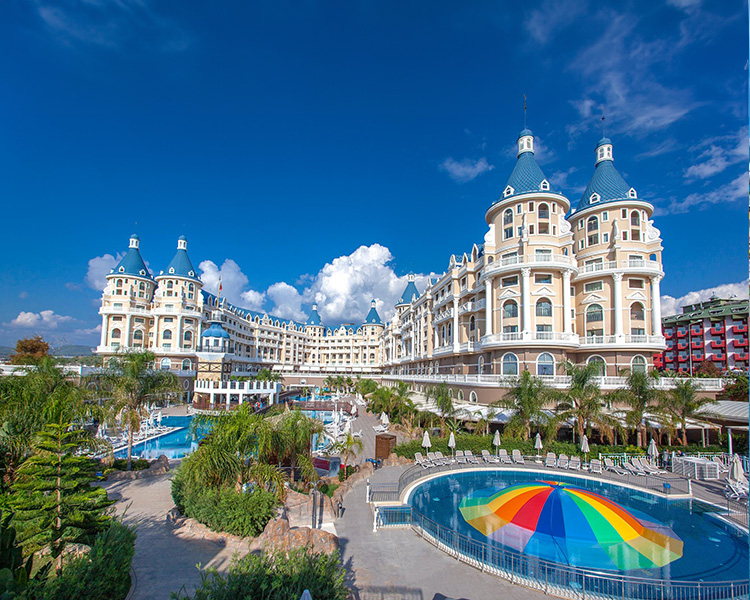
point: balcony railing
(740, 343)
(739, 328)
(717, 330)
(509, 262)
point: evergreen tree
(53, 498)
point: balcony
(682, 346)
(718, 344)
(741, 356)
(697, 345)
(698, 358)
(512, 263)
(718, 357)
(740, 328)
(717, 330)
(682, 358)
(669, 334)
(443, 316)
(696, 332)
(469, 307)
(740, 343)
(681, 333)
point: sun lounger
(434, 460)
(562, 461)
(518, 457)
(469, 455)
(647, 466)
(550, 460)
(735, 490)
(503, 456)
(357, 434)
(460, 458)
(722, 467)
(610, 466)
(575, 463)
(421, 461)
(595, 466)
(444, 460)
(488, 458)
(633, 468)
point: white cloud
(671, 305)
(287, 301)
(23, 294)
(89, 332)
(720, 152)
(98, 269)
(46, 319)
(559, 181)
(736, 189)
(253, 300)
(552, 17)
(463, 171)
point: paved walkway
(163, 562)
(395, 564)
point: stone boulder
(278, 536)
(157, 467)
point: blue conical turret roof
(410, 292)
(606, 182)
(526, 176)
(314, 318)
(132, 263)
(373, 318)
(180, 264)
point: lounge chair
(610, 466)
(735, 490)
(460, 458)
(444, 460)
(503, 456)
(436, 462)
(575, 463)
(469, 455)
(595, 466)
(518, 457)
(722, 467)
(357, 434)
(633, 468)
(550, 460)
(647, 466)
(421, 461)
(562, 461)
(488, 458)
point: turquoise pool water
(712, 549)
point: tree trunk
(684, 433)
(130, 448)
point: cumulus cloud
(671, 305)
(728, 192)
(46, 319)
(718, 153)
(98, 269)
(89, 332)
(287, 301)
(253, 300)
(463, 171)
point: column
(488, 306)
(104, 331)
(656, 307)
(126, 331)
(567, 328)
(455, 325)
(617, 277)
(526, 301)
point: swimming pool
(709, 549)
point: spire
(180, 265)
(373, 318)
(314, 318)
(526, 176)
(410, 291)
(132, 263)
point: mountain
(6, 351)
(72, 350)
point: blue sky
(320, 151)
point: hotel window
(635, 224)
(544, 308)
(624, 236)
(637, 312)
(510, 329)
(531, 229)
(510, 364)
(519, 209)
(605, 238)
(509, 259)
(593, 286)
(543, 278)
(543, 255)
(594, 314)
(543, 228)
(637, 331)
(170, 285)
(592, 228)
(508, 217)
(508, 233)
(531, 207)
(510, 310)
(605, 216)
(638, 364)
(543, 211)
(545, 364)
(624, 213)
(138, 338)
(635, 284)
(554, 208)
(168, 320)
(581, 244)
(599, 364)
(140, 320)
(115, 334)
(580, 224)
(519, 233)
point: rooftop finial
(603, 124)
(218, 297)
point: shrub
(121, 464)
(224, 509)
(102, 574)
(275, 577)
(346, 471)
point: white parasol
(426, 443)
(538, 444)
(496, 442)
(452, 443)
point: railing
(508, 262)
(531, 336)
(738, 511)
(552, 578)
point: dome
(215, 331)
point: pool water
(712, 550)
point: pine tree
(55, 504)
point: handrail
(552, 578)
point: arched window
(187, 365)
(543, 211)
(187, 339)
(510, 364)
(543, 308)
(637, 313)
(460, 396)
(165, 364)
(635, 219)
(480, 365)
(116, 334)
(472, 323)
(138, 338)
(594, 314)
(545, 364)
(167, 335)
(473, 396)
(638, 364)
(592, 229)
(510, 309)
(601, 365)
(508, 217)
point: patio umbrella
(571, 525)
(585, 446)
(306, 595)
(452, 443)
(426, 443)
(384, 419)
(736, 471)
(653, 451)
(538, 443)
(496, 442)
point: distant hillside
(72, 350)
(6, 351)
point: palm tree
(443, 397)
(527, 398)
(293, 442)
(584, 403)
(133, 385)
(268, 375)
(347, 446)
(641, 395)
(684, 403)
(348, 384)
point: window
(593, 286)
(624, 213)
(635, 219)
(594, 314)
(605, 238)
(594, 198)
(115, 334)
(167, 335)
(543, 255)
(543, 228)
(580, 224)
(638, 364)
(545, 364)
(531, 207)
(472, 324)
(187, 365)
(592, 228)
(188, 338)
(544, 211)
(581, 244)
(510, 259)
(637, 313)
(510, 309)
(510, 364)
(554, 208)
(472, 396)
(508, 233)
(508, 217)
(624, 236)
(138, 337)
(542, 328)
(519, 209)
(543, 278)
(544, 186)
(637, 331)
(635, 284)
(165, 364)
(600, 365)
(510, 328)
(510, 281)
(531, 229)
(543, 308)
(605, 216)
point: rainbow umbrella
(567, 524)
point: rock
(174, 517)
(278, 536)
